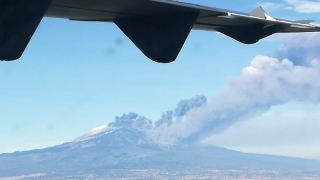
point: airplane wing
(158, 28)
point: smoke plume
(266, 82)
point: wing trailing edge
(18, 21)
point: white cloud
(271, 6)
(301, 6)
(304, 6)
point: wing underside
(158, 28)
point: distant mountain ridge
(115, 147)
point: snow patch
(96, 132)
(98, 129)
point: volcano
(122, 150)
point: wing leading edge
(158, 28)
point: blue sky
(75, 76)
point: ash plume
(266, 82)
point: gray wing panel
(107, 10)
